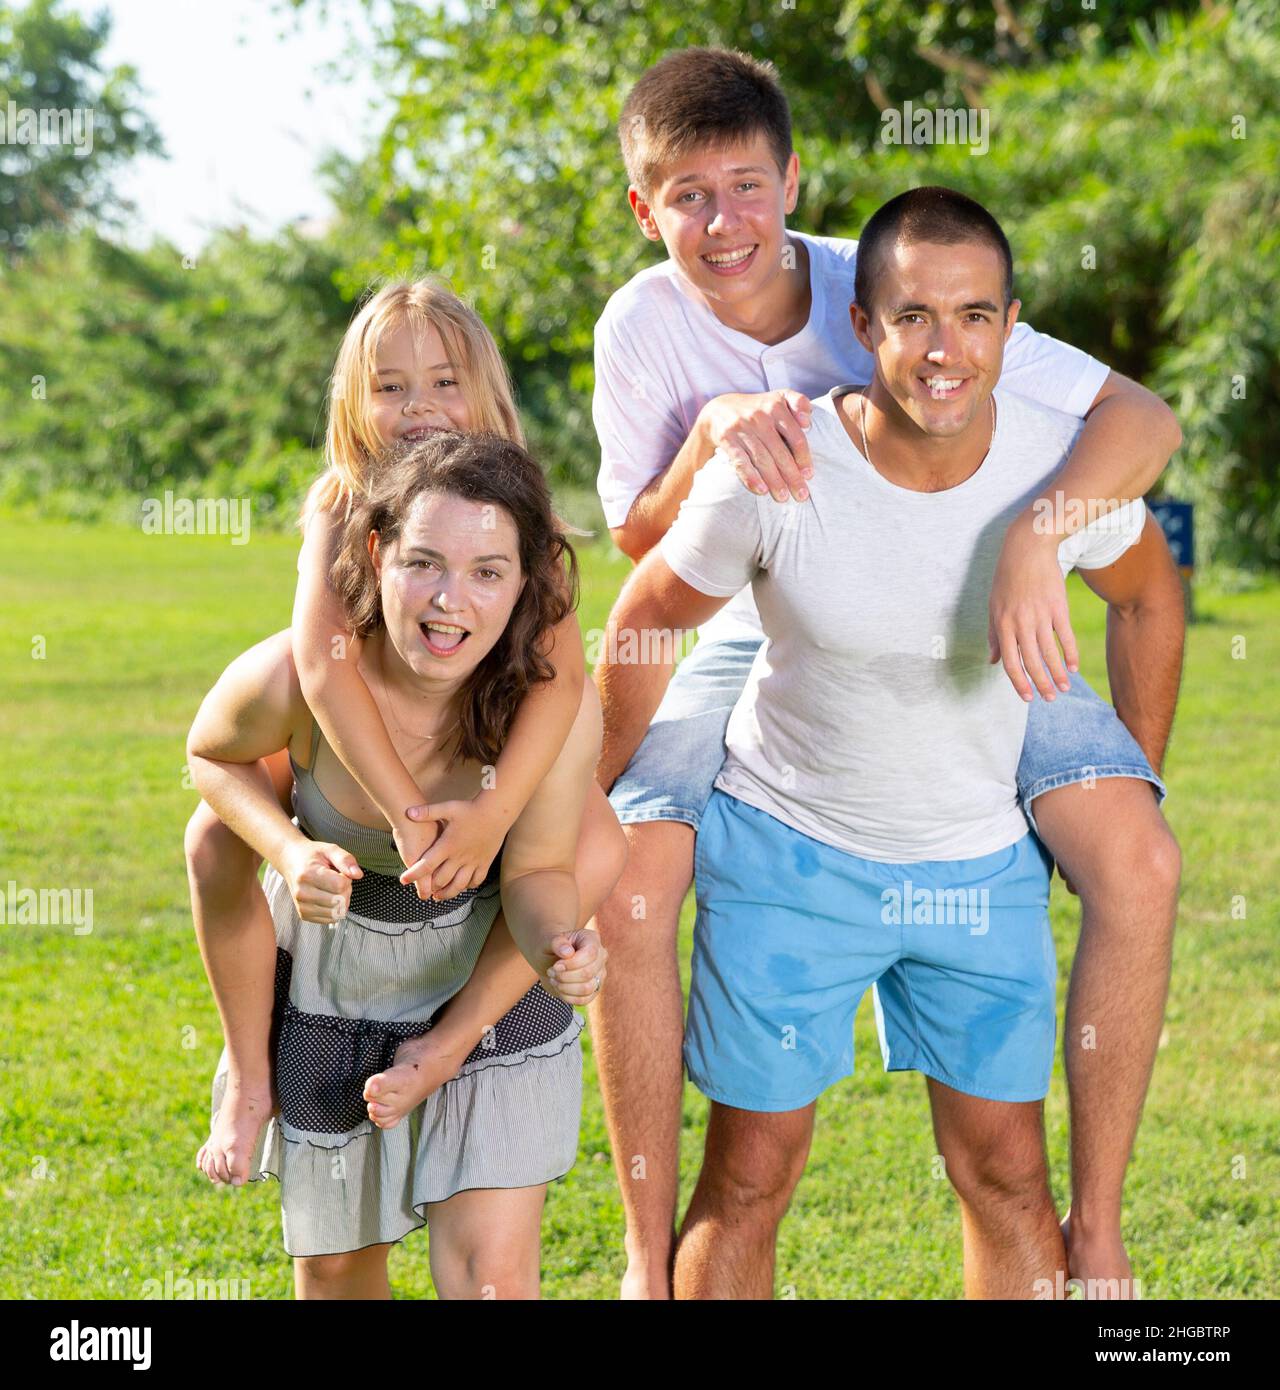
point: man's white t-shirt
(872, 719)
(661, 355)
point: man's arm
(1128, 437)
(655, 606)
(1146, 626)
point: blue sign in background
(1178, 525)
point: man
(865, 826)
(744, 305)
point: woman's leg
(357, 1274)
(238, 944)
(487, 1243)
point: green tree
(125, 372)
(51, 62)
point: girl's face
(449, 584)
(415, 388)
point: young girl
(454, 538)
(415, 359)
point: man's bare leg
(1112, 842)
(995, 1158)
(750, 1167)
(637, 1032)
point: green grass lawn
(112, 1036)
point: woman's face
(449, 584)
(415, 388)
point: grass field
(111, 637)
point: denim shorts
(791, 932)
(1077, 737)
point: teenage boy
(865, 826)
(745, 306)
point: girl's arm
(327, 656)
(474, 830)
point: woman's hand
(461, 855)
(574, 966)
(319, 878)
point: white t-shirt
(872, 719)
(661, 355)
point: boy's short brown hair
(697, 97)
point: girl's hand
(459, 858)
(319, 878)
(413, 840)
(578, 971)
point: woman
(451, 570)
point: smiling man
(872, 765)
(745, 305)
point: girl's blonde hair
(350, 446)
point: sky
(239, 92)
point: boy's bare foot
(417, 1069)
(1098, 1267)
(226, 1155)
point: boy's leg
(486, 1243)
(1112, 842)
(356, 1274)
(1093, 798)
(637, 1024)
(637, 1030)
(751, 1165)
(238, 944)
(995, 1158)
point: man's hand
(1028, 609)
(762, 436)
(460, 856)
(319, 879)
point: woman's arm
(326, 657)
(250, 713)
(474, 830)
(539, 890)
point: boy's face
(721, 212)
(937, 330)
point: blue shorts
(791, 932)
(1076, 738)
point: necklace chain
(386, 686)
(862, 418)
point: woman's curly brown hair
(480, 468)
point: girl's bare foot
(227, 1153)
(416, 1070)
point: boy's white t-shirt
(872, 719)
(661, 355)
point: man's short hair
(926, 214)
(701, 97)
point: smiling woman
(453, 571)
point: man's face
(721, 213)
(937, 330)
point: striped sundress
(347, 995)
